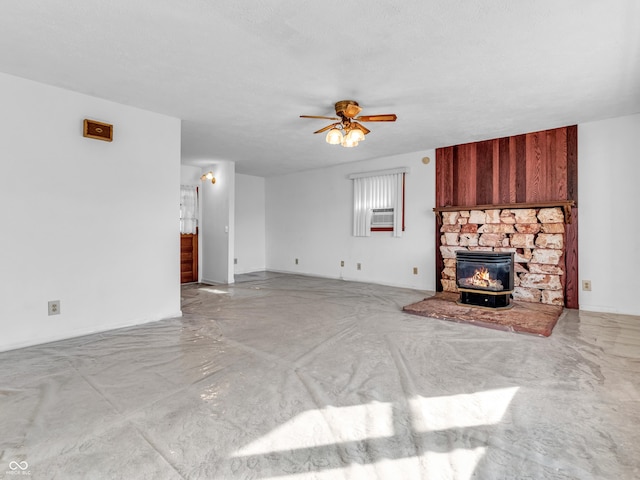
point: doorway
(189, 209)
(189, 257)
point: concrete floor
(283, 376)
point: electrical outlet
(415, 270)
(586, 285)
(54, 307)
(359, 266)
(296, 261)
(342, 263)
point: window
(188, 209)
(378, 202)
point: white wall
(250, 224)
(190, 175)
(309, 217)
(609, 225)
(218, 223)
(87, 222)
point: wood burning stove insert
(485, 279)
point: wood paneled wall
(533, 167)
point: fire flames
(482, 278)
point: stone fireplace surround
(536, 235)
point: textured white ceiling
(239, 73)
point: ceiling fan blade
(328, 127)
(391, 117)
(362, 128)
(316, 116)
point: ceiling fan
(347, 131)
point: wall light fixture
(208, 176)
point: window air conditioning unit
(382, 217)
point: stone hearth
(535, 235)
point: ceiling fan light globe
(348, 142)
(334, 137)
(356, 135)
